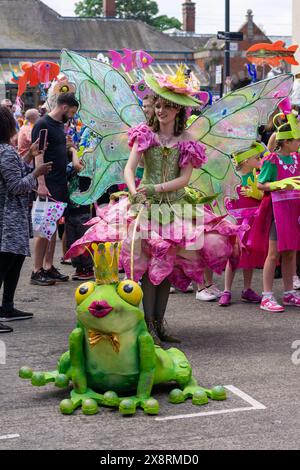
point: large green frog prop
(111, 353)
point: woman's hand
(147, 190)
(43, 169)
(138, 198)
(34, 149)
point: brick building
(211, 54)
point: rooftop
(45, 29)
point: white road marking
(255, 405)
(9, 436)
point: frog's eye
(130, 291)
(84, 291)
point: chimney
(189, 16)
(250, 24)
(109, 8)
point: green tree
(143, 10)
(89, 8)
(164, 22)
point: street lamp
(227, 40)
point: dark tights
(10, 269)
(155, 299)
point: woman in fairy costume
(276, 230)
(171, 249)
(244, 210)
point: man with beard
(53, 186)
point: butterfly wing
(229, 126)
(109, 109)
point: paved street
(239, 346)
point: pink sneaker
(292, 300)
(225, 299)
(251, 297)
(270, 304)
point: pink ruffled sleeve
(144, 136)
(192, 152)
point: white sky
(275, 16)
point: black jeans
(75, 229)
(10, 269)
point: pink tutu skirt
(286, 209)
(179, 251)
(244, 210)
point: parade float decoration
(132, 60)
(230, 125)
(58, 86)
(272, 54)
(34, 74)
(111, 354)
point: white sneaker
(215, 290)
(173, 290)
(208, 294)
(296, 282)
(191, 288)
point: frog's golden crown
(106, 262)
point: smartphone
(43, 135)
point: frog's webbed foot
(88, 401)
(40, 379)
(198, 394)
(129, 405)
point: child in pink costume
(244, 210)
(276, 230)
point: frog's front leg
(143, 398)
(81, 395)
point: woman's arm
(11, 172)
(177, 183)
(173, 185)
(32, 153)
(130, 168)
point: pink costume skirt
(245, 218)
(286, 210)
(244, 210)
(179, 252)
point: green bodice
(161, 164)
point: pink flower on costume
(144, 136)
(192, 152)
(165, 81)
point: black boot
(152, 331)
(163, 334)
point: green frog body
(112, 360)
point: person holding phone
(50, 131)
(17, 180)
